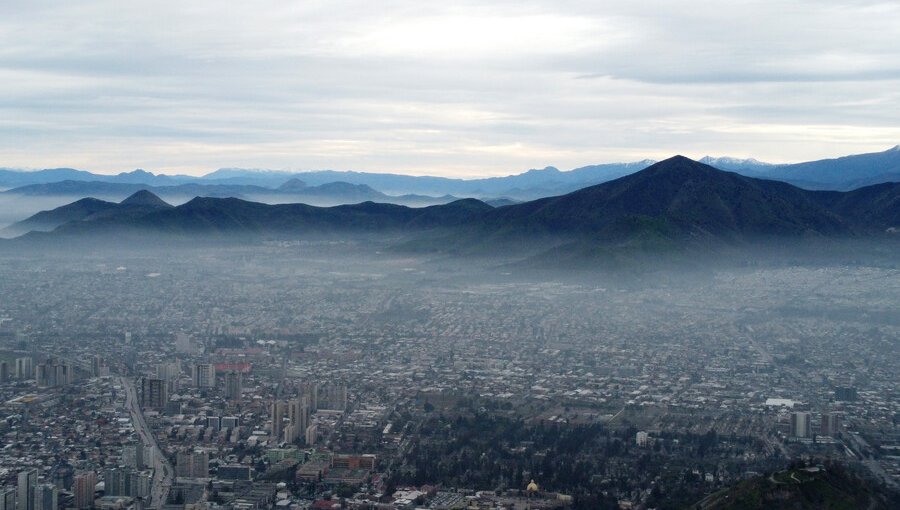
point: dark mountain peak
(200, 202)
(145, 198)
(677, 198)
(471, 202)
(294, 184)
(49, 220)
(87, 201)
(678, 166)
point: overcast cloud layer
(442, 88)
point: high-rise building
(311, 434)
(214, 422)
(51, 374)
(230, 422)
(205, 375)
(311, 389)
(133, 455)
(641, 439)
(117, 481)
(24, 368)
(46, 497)
(279, 410)
(8, 499)
(140, 484)
(98, 366)
(27, 483)
(233, 385)
(845, 393)
(154, 393)
(96, 362)
(83, 487)
(333, 397)
(192, 464)
(64, 374)
(290, 419)
(169, 370)
(295, 417)
(42, 375)
(830, 424)
(63, 476)
(800, 426)
(4, 372)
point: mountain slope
(675, 198)
(49, 220)
(877, 206)
(144, 198)
(844, 173)
(677, 202)
(232, 216)
(830, 486)
(89, 209)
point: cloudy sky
(457, 88)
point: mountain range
(840, 174)
(676, 201)
(293, 189)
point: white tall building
(169, 370)
(311, 434)
(27, 483)
(800, 426)
(24, 368)
(133, 456)
(8, 499)
(641, 438)
(205, 375)
(46, 497)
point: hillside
(674, 203)
(676, 198)
(845, 173)
(231, 216)
(825, 487)
(49, 220)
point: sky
(453, 88)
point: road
(162, 470)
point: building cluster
(263, 373)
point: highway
(162, 470)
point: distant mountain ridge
(331, 193)
(675, 201)
(838, 174)
(845, 173)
